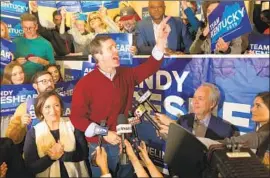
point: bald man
(179, 39)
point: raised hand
(3, 169)
(63, 12)
(162, 34)
(222, 45)
(34, 6)
(103, 11)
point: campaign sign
(30, 107)
(7, 47)
(14, 26)
(228, 21)
(14, 8)
(72, 74)
(65, 90)
(90, 6)
(70, 6)
(13, 95)
(123, 43)
(145, 12)
(47, 3)
(259, 43)
(87, 66)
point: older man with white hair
(202, 123)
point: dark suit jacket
(179, 38)
(217, 129)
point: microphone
(135, 141)
(122, 128)
(94, 129)
(141, 111)
(144, 97)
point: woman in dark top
(260, 139)
(54, 148)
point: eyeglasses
(45, 81)
(28, 28)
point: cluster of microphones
(126, 127)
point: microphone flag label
(123, 128)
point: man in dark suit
(201, 122)
(146, 31)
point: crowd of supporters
(54, 148)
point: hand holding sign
(34, 6)
(222, 45)
(63, 12)
(21, 60)
(25, 120)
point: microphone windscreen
(121, 119)
(90, 131)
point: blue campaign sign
(123, 43)
(87, 66)
(7, 48)
(70, 6)
(47, 3)
(228, 21)
(65, 90)
(14, 8)
(259, 43)
(13, 95)
(72, 74)
(14, 26)
(90, 6)
(30, 108)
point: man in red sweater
(107, 91)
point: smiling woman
(13, 74)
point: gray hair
(214, 94)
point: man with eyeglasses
(179, 39)
(32, 51)
(42, 82)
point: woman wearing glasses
(53, 147)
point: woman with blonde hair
(4, 31)
(53, 147)
(97, 23)
(13, 74)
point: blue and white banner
(259, 43)
(90, 6)
(72, 74)
(13, 95)
(228, 21)
(47, 3)
(70, 6)
(239, 80)
(65, 90)
(14, 26)
(30, 108)
(123, 43)
(14, 8)
(87, 66)
(7, 48)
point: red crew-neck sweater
(96, 97)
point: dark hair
(38, 74)
(117, 15)
(55, 13)
(58, 68)
(265, 96)
(42, 98)
(95, 45)
(266, 16)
